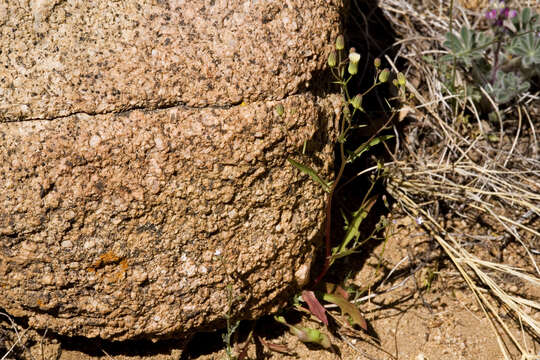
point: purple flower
(499, 13)
(491, 14)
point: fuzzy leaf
(464, 47)
(528, 48)
(467, 38)
(315, 306)
(506, 87)
(309, 171)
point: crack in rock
(41, 10)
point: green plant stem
(371, 88)
(328, 224)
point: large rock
(132, 224)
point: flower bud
(356, 102)
(353, 68)
(377, 62)
(384, 75)
(340, 42)
(332, 59)
(401, 79)
(280, 110)
(346, 112)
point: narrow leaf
(315, 306)
(347, 308)
(309, 171)
(367, 145)
(275, 347)
(353, 228)
(337, 289)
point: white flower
(354, 57)
(217, 252)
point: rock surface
(65, 57)
(143, 167)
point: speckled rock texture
(143, 167)
(64, 57)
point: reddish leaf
(242, 355)
(275, 347)
(315, 306)
(244, 350)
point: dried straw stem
(450, 161)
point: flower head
(499, 12)
(354, 57)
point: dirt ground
(418, 308)
(429, 314)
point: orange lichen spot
(124, 264)
(115, 273)
(108, 258)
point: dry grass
(472, 171)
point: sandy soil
(419, 309)
(429, 315)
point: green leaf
(465, 47)
(528, 48)
(447, 58)
(526, 16)
(452, 42)
(366, 146)
(353, 231)
(347, 308)
(305, 334)
(506, 87)
(467, 38)
(309, 171)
